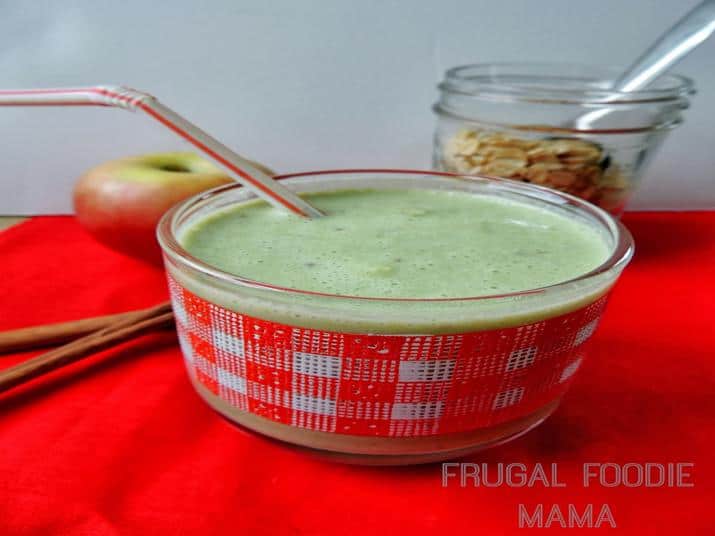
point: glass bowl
(384, 380)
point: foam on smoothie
(400, 243)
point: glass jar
(384, 380)
(556, 125)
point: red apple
(120, 202)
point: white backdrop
(307, 85)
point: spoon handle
(686, 34)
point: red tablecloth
(120, 444)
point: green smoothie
(413, 243)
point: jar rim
(168, 227)
(557, 83)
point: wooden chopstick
(19, 340)
(140, 323)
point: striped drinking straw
(130, 99)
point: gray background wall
(307, 85)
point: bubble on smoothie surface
(400, 244)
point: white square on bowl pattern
(508, 398)
(431, 370)
(521, 358)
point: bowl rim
(620, 256)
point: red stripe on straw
(167, 123)
(218, 157)
(129, 98)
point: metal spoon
(685, 35)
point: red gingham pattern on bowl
(379, 385)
